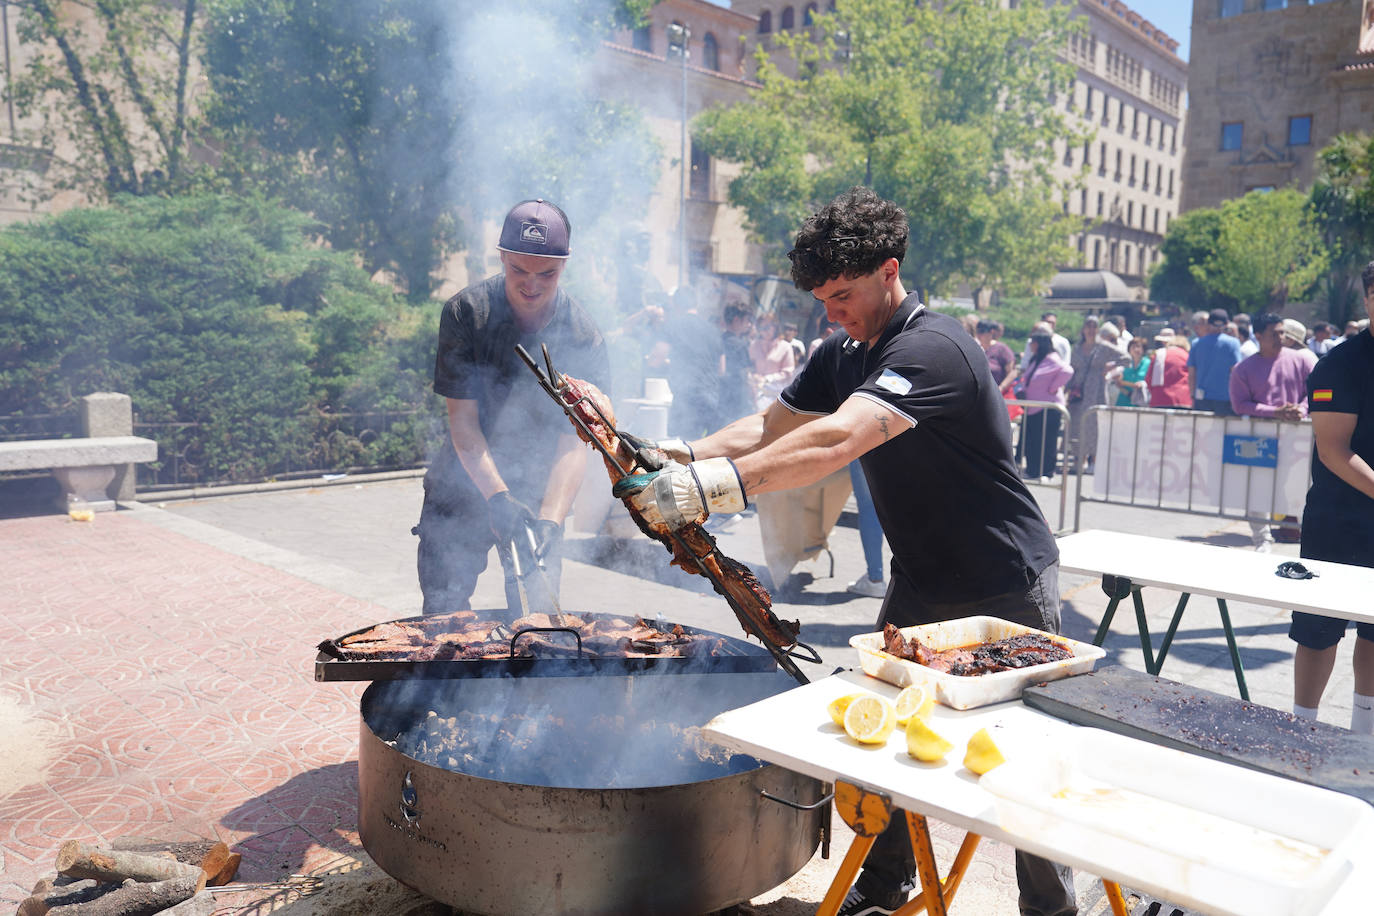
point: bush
(216, 311)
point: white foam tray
(1211, 836)
(963, 692)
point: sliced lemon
(924, 743)
(983, 754)
(870, 719)
(838, 706)
(916, 700)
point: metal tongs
(557, 387)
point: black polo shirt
(961, 524)
(1343, 382)
(476, 360)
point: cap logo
(535, 233)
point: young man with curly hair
(910, 395)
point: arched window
(786, 21)
(642, 39)
(809, 15)
(765, 22)
(710, 52)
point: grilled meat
(693, 550)
(1020, 651)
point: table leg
(951, 883)
(1106, 623)
(931, 892)
(867, 813)
(1144, 628)
(1169, 635)
(844, 878)
(1236, 664)
(1115, 897)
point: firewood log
(212, 856)
(202, 904)
(136, 899)
(227, 871)
(47, 895)
(83, 860)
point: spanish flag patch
(1321, 394)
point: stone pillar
(106, 413)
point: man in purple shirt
(1271, 384)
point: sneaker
(869, 589)
(856, 904)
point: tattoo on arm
(882, 425)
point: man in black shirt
(511, 460)
(909, 393)
(1338, 521)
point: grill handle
(523, 630)
(825, 801)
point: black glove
(548, 538)
(506, 514)
(678, 449)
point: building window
(1097, 254)
(809, 15)
(1073, 94)
(1232, 135)
(1156, 221)
(1100, 200)
(1088, 108)
(1102, 159)
(1159, 178)
(1120, 116)
(1145, 177)
(1087, 151)
(1068, 155)
(1130, 212)
(1117, 176)
(1083, 203)
(1132, 169)
(710, 52)
(1135, 125)
(1171, 182)
(1231, 8)
(786, 20)
(642, 39)
(765, 22)
(1300, 130)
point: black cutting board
(1212, 725)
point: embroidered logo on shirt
(1321, 394)
(891, 381)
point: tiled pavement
(177, 680)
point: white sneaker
(867, 587)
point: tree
(109, 82)
(1343, 200)
(402, 124)
(1191, 239)
(1268, 250)
(946, 108)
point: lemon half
(916, 700)
(982, 754)
(870, 719)
(924, 743)
(838, 706)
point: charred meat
(1020, 651)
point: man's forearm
(565, 479)
(473, 453)
(803, 458)
(1351, 468)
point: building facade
(1273, 82)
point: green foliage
(1343, 200)
(214, 311)
(402, 124)
(1191, 240)
(945, 108)
(1268, 249)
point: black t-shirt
(1343, 382)
(960, 522)
(476, 360)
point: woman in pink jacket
(1044, 380)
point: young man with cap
(1338, 521)
(908, 393)
(511, 462)
(1210, 361)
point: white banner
(1197, 462)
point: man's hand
(679, 495)
(548, 538)
(506, 514)
(1289, 412)
(678, 450)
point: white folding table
(793, 730)
(1128, 562)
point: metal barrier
(1244, 468)
(1057, 457)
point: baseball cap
(1165, 335)
(536, 227)
(1218, 316)
(1294, 330)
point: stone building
(1273, 82)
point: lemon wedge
(924, 743)
(916, 700)
(870, 719)
(838, 706)
(982, 754)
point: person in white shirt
(1061, 343)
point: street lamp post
(678, 37)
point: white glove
(680, 495)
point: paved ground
(157, 679)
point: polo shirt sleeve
(812, 390)
(455, 361)
(1333, 387)
(922, 377)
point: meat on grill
(1020, 651)
(693, 550)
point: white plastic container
(1211, 836)
(962, 691)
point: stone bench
(83, 467)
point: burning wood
(1020, 651)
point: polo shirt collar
(906, 313)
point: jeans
(870, 529)
(1046, 887)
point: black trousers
(1042, 442)
(1046, 888)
